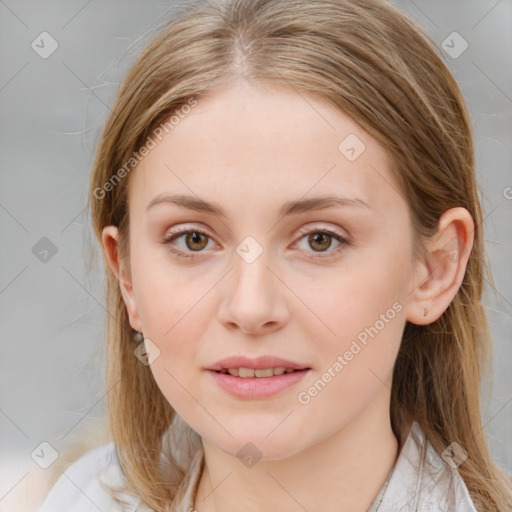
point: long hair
(383, 70)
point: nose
(254, 300)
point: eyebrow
(288, 208)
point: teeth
(250, 372)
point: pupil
(314, 239)
(195, 238)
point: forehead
(268, 145)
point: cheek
(175, 322)
(166, 295)
(358, 314)
(175, 319)
(356, 363)
(174, 313)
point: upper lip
(258, 363)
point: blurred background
(60, 65)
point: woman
(286, 200)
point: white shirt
(420, 481)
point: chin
(257, 447)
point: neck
(341, 473)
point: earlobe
(110, 244)
(439, 276)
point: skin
(250, 149)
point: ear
(110, 243)
(439, 276)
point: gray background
(52, 312)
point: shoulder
(82, 486)
(424, 480)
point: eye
(195, 241)
(320, 240)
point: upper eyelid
(303, 231)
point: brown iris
(196, 241)
(323, 240)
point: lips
(259, 363)
(256, 388)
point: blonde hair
(383, 70)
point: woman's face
(269, 276)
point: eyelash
(176, 234)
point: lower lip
(256, 387)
